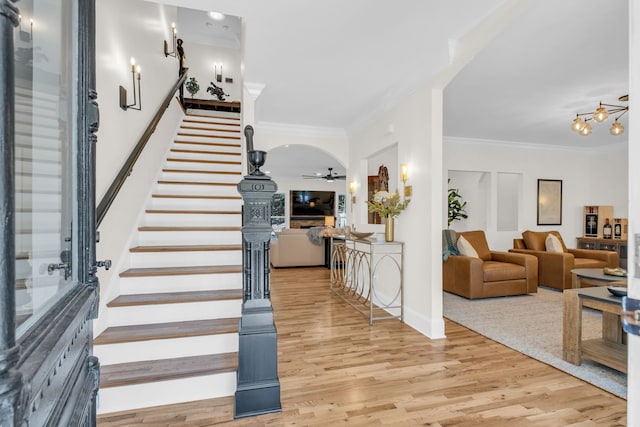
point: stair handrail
(127, 167)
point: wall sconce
(166, 45)
(25, 36)
(352, 191)
(137, 95)
(404, 175)
(217, 72)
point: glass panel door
(44, 128)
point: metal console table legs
(368, 276)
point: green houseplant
(455, 206)
(192, 86)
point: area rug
(532, 325)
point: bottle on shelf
(607, 230)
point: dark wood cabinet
(616, 245)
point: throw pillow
(552, 244)
(465, 248)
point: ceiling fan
(329, 177)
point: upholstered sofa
(554, 268)
(491, 274)
(292, 248)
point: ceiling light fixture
(216, 16)
(601, 114)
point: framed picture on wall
(549, 202)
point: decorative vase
(388, 229)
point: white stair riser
(38, 220)
(200, 177)
(202, 166)
(219, 130)
(181, 312)
(159, 349)
(158, 219)
(208, 157)
(200, 190)
(45, 126)
(37, 111)
(217, 117)
(199, 204)
(38, 183)
(28, 200)
(23, 297)
(193, 282)
(170, 238)
(114, 399)
(35, 141)
(38, 154)
(185, 259)
(43, 241)
(53, 169)
(225, 147)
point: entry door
(49, 283)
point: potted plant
(455, 206)
(389, 206)
(192, 86)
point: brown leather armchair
(493, 274)
(554, 268)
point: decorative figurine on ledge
(217, 91)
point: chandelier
(601, 114)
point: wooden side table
(611, 349)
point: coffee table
(611, 349)
(581, 277)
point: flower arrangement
(192, 86)
(387, 204)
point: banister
(125, 171)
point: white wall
(200, 58)
(118, 37)
(588, 178)
(413, 125)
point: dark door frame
(48, 375)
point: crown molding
(254, 89)
(300, 130)
(528, 146)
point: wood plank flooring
(336, 370)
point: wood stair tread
(219, 184)
(195, 196)
(186, 248)
(187, 228)
(211, 144)
(195, 212)
(197, 135)
(218, 153)
(211, 123)
(175, 297)
(202, 171)
(217, 162)
(211, 117)
(156, 331)
(162, 370)
(179, 271)
(211, 129)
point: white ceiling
(334, 64)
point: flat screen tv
(312, 203)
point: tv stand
(306, 221)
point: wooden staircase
(173, 330)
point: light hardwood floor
(336, 370)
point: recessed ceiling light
(216, 16)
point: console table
(615, 245)
(367, 275)
(611, 349)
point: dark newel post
(258, 388)
(11, 382)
